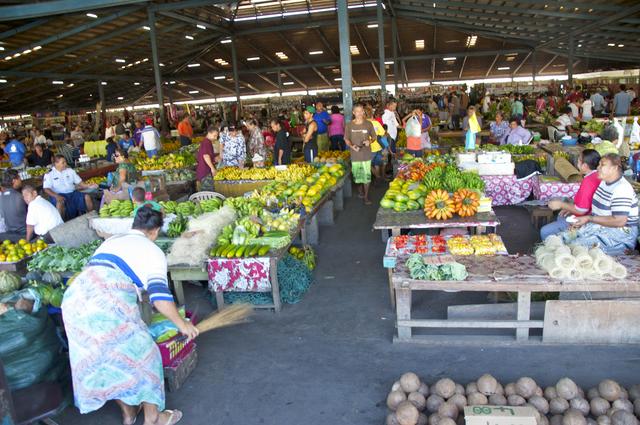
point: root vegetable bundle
(412, 401)
(576, 262)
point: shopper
(12, 206)
(61, 184)
(499, 129)
(613, 222)
(358, 135)
(376, 147)
(137, 134)
(40, 157)
(390, 119)
(185, 131)
(412, 124)
(588, 165)
(587, 109)
(111, 149)
(517, 135)
(110, 129)
(16, 151)
(322, 119)
(310, 137)
(425, 127)
(77, 136)
(599, 104)
(517, 108)
(106, 292)
(207, 159)
(564, 124)
(575, 112)
(39, 138)
(256, 139)
(127, 142)
(124, 178)
(150, 139)
(540, 104)
(336, 130)
(233, 148)
(622, 103)
(282, 146)
(42, 216)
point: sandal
(174, 417)
(135, 418)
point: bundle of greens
(60, 259)
(419, 270)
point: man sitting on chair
(517, 134)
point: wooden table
(496, 274)
(390, 220)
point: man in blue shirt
(323, 119)
(16, 151)
(599, 104)
(622, 102)
(127, 141)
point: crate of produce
(237, 188)
(176, 348)
(176, 374)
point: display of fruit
(293, 172)
(117, 208)
(460, 245)
(179, 175)
(169, 145)
(238, 251)
(13, 252)
(306, 255)
(439, 205)
(182, 159)
(285, 220)
(541, 159)
(451, 179)
(245, 206)
(416, 170)
(561, 154)
(177, 226)
(37, 171)
(466, 202)
(328, 156)
(404, 195)
(96, 180)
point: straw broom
(228, 316)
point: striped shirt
(617, 198)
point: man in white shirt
(60, 185)
(389, 117)
(42, 216)
(575, 111)
(564, 123)
(39, 138)
(150, 138)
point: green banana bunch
(177, 226)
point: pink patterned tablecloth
(507, 190)
(245, 274)
(545, 190)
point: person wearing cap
(256, 141)
(150, 139)
(310, 138)
(233, 148)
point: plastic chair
(202, 196)
(33, 404)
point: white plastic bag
(413, 127)
(635, 132)
(620, 128)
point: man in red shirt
(581, 205)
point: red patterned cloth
(508, 190)
(547, 190)
(239, 274)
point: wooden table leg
(396, 232)
(392, 293)
(403, 312)
(275, 285)
(179, 290)
(220, 299)
(524, 313)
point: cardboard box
(499, 415)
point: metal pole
(100, 122)
(345, 58)
(280, 82)
(236, 83)
(394, 44)
(381, 59)
(534, 68)
(156, 67)
(570, 64)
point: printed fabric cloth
(241, 275)
(112, 353)
(234, 150)
(507, 190)
(548, 190)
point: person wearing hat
(310, 138)
(233, 148)
(150, 139)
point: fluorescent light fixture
(219, 77)
(34, 49)
(70, 85)
(57, 82)
(225, 41)
(354, 49)
(388, 63)
(193, 92)
(8, 58)
(121, 61)
(26, 52)
(446, 72)
(160, 64)
(611, 44)
(17, 54)
(316, 52)
(449, 59)
(136, 83)
(1, 48)
(120, 98)
(60, 96)
(92, 15)
(202, 27)
(372, 26)
(193, 65)
(253, 58)
(503, 68)
(337, 79)
(2, 80)
(145, 59)
(282, 56)
(129, 65)
(104, 83)
(620, 45)
(146, 28)
(287, 83)
(471, 40)
(419, 44)
(188, 37)
(172, 82)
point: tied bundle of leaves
(60, 259)
(421, 271)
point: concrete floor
(330, 359)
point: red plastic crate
(177, 347)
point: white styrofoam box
(496, 169)
(461, 158)
(468, 166)
(494, 158)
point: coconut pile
(413, 402)
(575, 262)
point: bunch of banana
(225, 236)
(210, 205)
(177, 226)
(245, 206)
(238, 251)
(116, 208)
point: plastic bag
(30, 349)
(413, 127)
(635, 132)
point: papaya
(400, 207)
(387, 203)
(412, 205)
(401, 198)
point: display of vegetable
(419, 270)
(275, 240)
(117, 208)
(9, 282)
(239, 250)
(177, 226)
(14, 252)
(60, 259)
(594, 126)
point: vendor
(517, 135)
(12, 206)
(588, 165)
(233, 148)
(185, 131)
(127, 142)
(207, 159)
(61, 184)
(256, 140)
(16, 151)
(564, 123)
(613, 223)
(282, 147)
(40, 157)
(41, 215)
(107, 291)
(499, 129)
(124, 177)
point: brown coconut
(424, 389)
(392, 420)
(407, 414)
(417, 400)
(540, 403)
(573, 417)
(477, 399)
(581, 405)
(526, 387)
(567, 389)
(497, 400)
(394, 399)
(599, 406)
(516, 400)
(409, 382)
(550, 393)
(445, 388)
(487, 384)
(471, 388)
(509, 389)
(609, 390)
(434, 402)
(634, 392)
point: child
(138, 199)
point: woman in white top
(587, 110)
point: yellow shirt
(375, 146)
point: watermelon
(387, 203)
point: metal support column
(345, 58)
(156, 67)
(100, 121)
(570, 64)
(236, 83)
(381, 58)
(534, 69)
(280, 82)
(394, 44)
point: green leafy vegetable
(60, 259)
